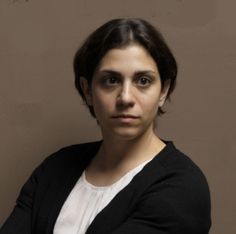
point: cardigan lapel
(121, 206)
(118, 210)
(64, 184)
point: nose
(125, 96)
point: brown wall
(41, 111)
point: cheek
(150, 108)
(150, 101)
(101, 102)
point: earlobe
(161, 101)
(164, 93)
(86, 90)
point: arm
(179, 205)
(19, 220)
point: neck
(119, 153)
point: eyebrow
(141, 72)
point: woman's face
(125, 92)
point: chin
(126, 134)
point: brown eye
(110, 80)
(144, 81)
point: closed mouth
(126, 116)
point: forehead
(130, 57)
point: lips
(128, 116)
(125, 119)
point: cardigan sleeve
(179, 204)
(19, 220)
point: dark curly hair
(118, 33)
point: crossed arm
(176, 207)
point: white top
(86, 200)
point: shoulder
(173, 163)
(180, 172)
(66, 158)
(179, 191)
(73, 153)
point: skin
(126, 81)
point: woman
(131, 181)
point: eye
(109, 80)
(144, 81)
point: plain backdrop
(40, 111)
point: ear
(86, 90)
(164, 93)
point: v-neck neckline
(76, 172)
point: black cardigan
(170, 195)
